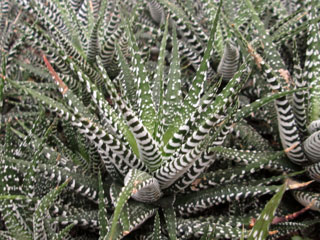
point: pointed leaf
(156, 228)
(192, 100)
(170, 217)
(63, 234)
(261, 227)
(135, 180)
(159, 85)
(102, 215)
(146, 106)
(43, 206)
(173, 99)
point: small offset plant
(128, 119)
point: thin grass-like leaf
(159, 84)
(169, 216)
(134, 183)
(173, 99)
(103, 220)
(156, 228)
(261, 227)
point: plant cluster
(159, 119)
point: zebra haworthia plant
(132, 141)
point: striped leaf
(194, 228)
(311, 147)
(147, 112)
(191, 102)
(191, 150)
(200, 201)
(287, 126)
(148, 148)
(173, 99)
(40, 212)
(129, 85)
(190, 30)
(93, 45)
(76, 32)
(107, 140)
(158, 95)
(149, 190)
(229, 62)
(156, 11)
(311, 73)
(310, 199)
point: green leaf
(282, 26)
(125, 219)
(300, 238)
(261, 227)
(242, 233)
(135, 181)
(254, 106)
(113, 115)
(1, 90)
(146, 106)
(64, 232)
(38, 71)
(102, 215)
(159, 85)
(29, 179)
(272, 54)
(312, 72)
(14, 197)
(129, 85)
(192, 100)
(199, 201)
(72, 23)
(169, 216)
(156, 228)
(40, 212)
(91, 19)
(173, 99)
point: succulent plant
(134, 119)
